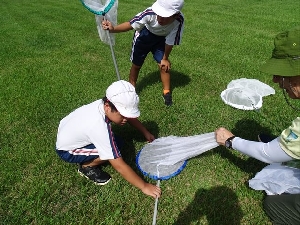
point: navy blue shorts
(81, 155)
(144, 42)
(84, 154)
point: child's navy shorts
(144, 42)
(81, 155)
(84, 154)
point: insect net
(276, 179)
(107, 9)
(166, 157)
(246, 94)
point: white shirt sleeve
(266, 152)
(141, 19)
(175, 36)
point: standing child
(85, 136)
(157, 29)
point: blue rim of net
(102, 13)
(154, 177)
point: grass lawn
(52, 61)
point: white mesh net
(276, 179)
(101, 9)
(166, 156)
(103, 34)
(242, 98)
(253, 85)
(246, 94)
(105, 9)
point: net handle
(103, 13)
(112, 53)
(155, 206)
(100, 13)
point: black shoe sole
(82, 174)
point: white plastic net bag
(246, 94)
(276, 179)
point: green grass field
(52, 61)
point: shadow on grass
(219, 205)
(247, 129)
(178, 79)
(129, 135)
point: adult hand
(152, 190)
(222, 134)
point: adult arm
(126, 171)
(266, 152)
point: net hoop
(242, 98)
(246, 94)
(100, 12)
(180, 166)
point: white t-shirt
(172, 32)
(88, 125)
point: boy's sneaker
(168, 99)
(95, 174)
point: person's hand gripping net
(151, 190)
(106, 25)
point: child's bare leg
(134, 73)
(166, 80)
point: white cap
(122, 94)
(167, 8)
